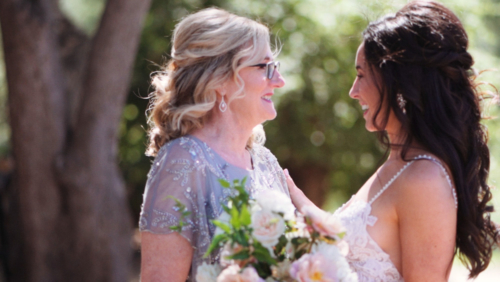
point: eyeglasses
(271, 67)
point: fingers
(288, 177)
(289, 180)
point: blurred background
(319, 133)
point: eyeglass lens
(271, 67)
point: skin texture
(165, 257)
(168, 257)
(416, 215)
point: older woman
(207, 111)
(429, 200)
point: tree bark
(67, 217)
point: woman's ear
(221, 89)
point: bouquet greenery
(262, 239)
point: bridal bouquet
(263, 240)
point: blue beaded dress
(188, 169)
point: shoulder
(263, 153)
(426, 184)
(180, 154)
(186, 147)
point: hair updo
(421, 53)
(207, 50)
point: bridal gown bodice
(365, 256)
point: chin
(370, 128)
(270, 115)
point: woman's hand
(298, 198)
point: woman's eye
(358, 75)
(261, 66)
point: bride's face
(365, 90)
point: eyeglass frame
(269, 73)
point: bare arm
(427, 221)
(165, 257)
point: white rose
(267, 227)
(207, 272)
(232, 274)
(277, 202)
(334, 255)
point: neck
(227, 136)
(397, 141)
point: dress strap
(390, 182)
(436, 161)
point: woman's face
(364, 89)
(256, 105)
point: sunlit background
(319, 133)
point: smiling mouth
(267, 97)
(364, 107)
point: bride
(429, 200)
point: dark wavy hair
(421, 53)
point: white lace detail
(365, 256)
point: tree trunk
(67, 214)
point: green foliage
(184, 212)
(318, 126)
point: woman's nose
(277, 80)
(353, 92)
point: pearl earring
(223, 105)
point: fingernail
(286, 172)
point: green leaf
(226, 228)
(226, 209)
(245, 216)
(176, 228)
(264, 256)
(241, 255)
(235, 217)
(240, 238)
(216, 242)
(224, 183)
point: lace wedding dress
(365, 256)
(188, 169)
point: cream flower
(277, 202)
(267, 227)
(281, 271)
(207, 272)
(314, 268)
(337, 260)
(232, 274)
(323, 222)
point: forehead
(360, 56)
(264, 51)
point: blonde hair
(207, 50)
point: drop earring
(223, 105)
(401, 103)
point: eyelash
(358, 75)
